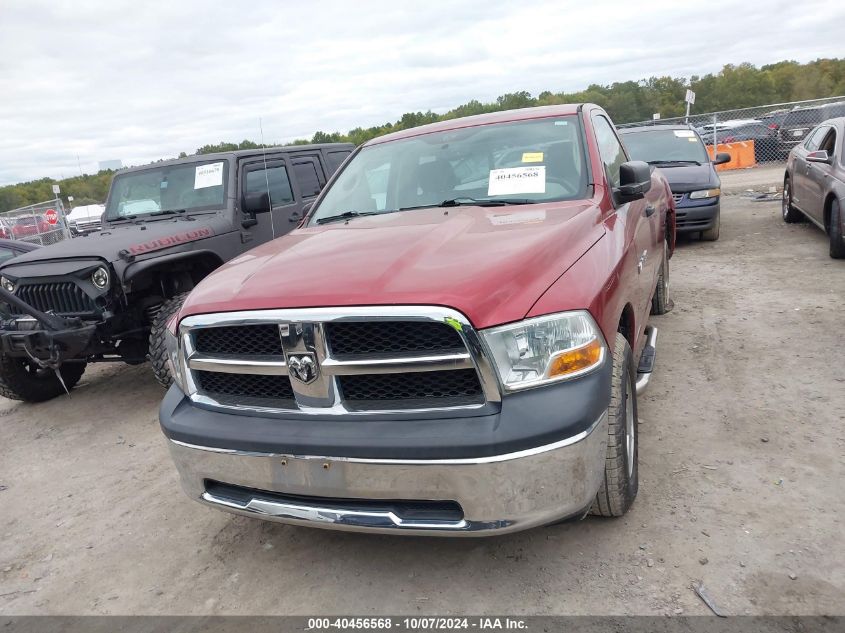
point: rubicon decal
(171, 240)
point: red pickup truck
(450, 343)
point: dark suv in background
(793, 130)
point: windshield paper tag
(532, 157)
(684, 133)
(208, 176)
(505, 182)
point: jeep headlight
(8, 284)
(545, 349)
(705, 193)
(173, 351)
(100, 278)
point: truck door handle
(649, 210)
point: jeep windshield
(179, 188)
(665, 148)
(540, 160)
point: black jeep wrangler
(108, 295)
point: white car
(85, 219)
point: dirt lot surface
(742, 450)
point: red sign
(52, 216)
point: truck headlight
(545, 349)
(100, 278)
(705, 193)
(174, 356)
(8, 284)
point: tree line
(735, 86)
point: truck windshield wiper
(344, 216)
(166, 212)
(674, 162)
(471, 202)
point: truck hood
(683, 178)
(136, 240)
(490, 263)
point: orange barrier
(742, 154)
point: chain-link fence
(43, 223)
(757, 136)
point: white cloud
(142, 81)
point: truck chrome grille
(461, 384)
(245, 385)
(244, 340)
(63, 297)
(391, 337)
(332, 361)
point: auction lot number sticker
(417, 623)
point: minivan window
(530, 161)
(659, 145)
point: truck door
(638, 216)
(273, 175)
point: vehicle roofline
(477, 120)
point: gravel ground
(742, 445)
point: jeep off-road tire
(621, 477)
(660, 300)
(790, 214)
(22, 380)
(712, 234)
(837, 244)
(158, 347)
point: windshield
(183, 187)
(525, 162)
(658, 145)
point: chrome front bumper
(497, 494)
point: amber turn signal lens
(576, 359)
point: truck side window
(610, 149)
(6, 253)
(277, 178)
(814, 140)
(306, 176)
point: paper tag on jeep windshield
(208, 176)
(506, 182)
(684, 133)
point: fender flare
(135, 269)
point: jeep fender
(201, 261)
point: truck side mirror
(634, 181)
(256, 202)
(722, 158)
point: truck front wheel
(21, 379)
(158, 347)
(621, 477)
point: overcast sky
(138, 81)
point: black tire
(712, 234)
(621, 472)
(660, 303)
(158, 347)
(790, 214)
(837, 243)
(22, 380)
